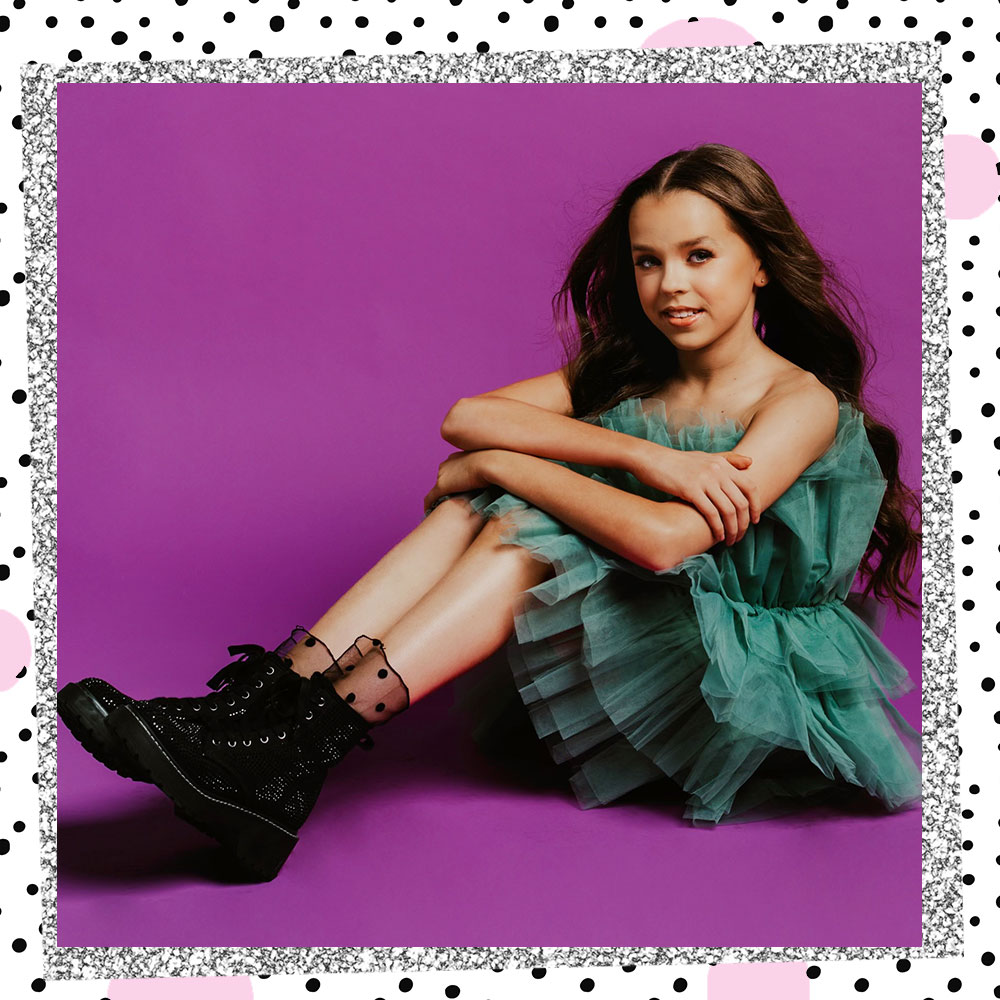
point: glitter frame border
(813, 63)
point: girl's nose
(674, 281)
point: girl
(674, 608)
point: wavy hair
(805, 313)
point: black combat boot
(236, 690)
(250, 782)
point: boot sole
(259, 844)
(86, 718)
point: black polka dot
(405, 985)
(586, 985)
(777, 17)
(903, 965)
(813, 972)
(277, 23)
(119, 38)
(968, 56)
(4, 845)
(312, 985)
(825, 23)
(537, 973)
(451, 992)
(874, 22)
(954, 985)
(988, 958)
(861, 985)
(19, 944)
(38, 985)
(551, 23)
(32, 890)
(680, 985)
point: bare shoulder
(790, 430)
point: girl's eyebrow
(686, 243)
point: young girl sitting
(671, 607)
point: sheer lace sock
(309, 655)
(363, 677)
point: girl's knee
(455, 508)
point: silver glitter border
(815, 63)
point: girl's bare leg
(467, 615)
(396, 582)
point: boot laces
(294, 701)
(235, 681)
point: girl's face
(686, 255)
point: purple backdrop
(269, 296)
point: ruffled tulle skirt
(630, 676)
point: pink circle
(704, 31)
(15, 649)
(182, 988)
(971, 183)
(759, 981)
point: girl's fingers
(705, 507)
(727, 509)
(732, 490)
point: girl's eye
(646, 259)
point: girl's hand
(714, 483)
(460, 471)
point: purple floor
(424, 842)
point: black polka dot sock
(363, 677)
(309, 655)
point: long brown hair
(805, 313)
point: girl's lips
(682, 320)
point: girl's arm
(783, 439)
(628, 525)
(534, 417)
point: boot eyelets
(321, 702)
(309, 715)
(232, 743)
(248, 743)
(269, 671)
(197, 708)
(281, 736)
(246, 694)
(264, 739)
(260, 684)
(214, 708)
(230, 703)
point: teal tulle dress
(749, 675)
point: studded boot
(84, 706)
(250, 782)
